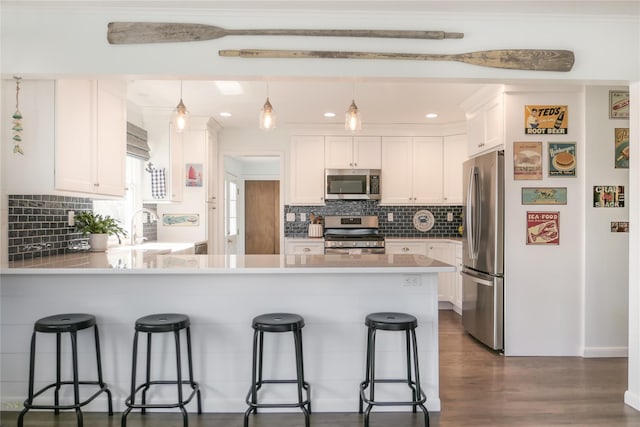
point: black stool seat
(58, 324)
(390, 321)
(166, 322)
(277, 322)
(154, 324)
(65, 323)
(393, 322)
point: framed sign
(562, 159)
(527, 160)
(619, 226)
(608, 196)
(546, 119)
(544, 196)
(618, 104)
(543, 228)
(621, 149)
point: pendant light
(267, 115)
(352, 119)
(181, 115)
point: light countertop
(153, 261)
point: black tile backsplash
(401, 226)
(37, 224)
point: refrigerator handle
(476, 279)
(473, 214)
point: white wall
(544, 285)
(606, 260)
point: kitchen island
(222, 294)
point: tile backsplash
(37, 224)
(401, 226)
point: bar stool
(59, 324)
(162, 323)
(391, 322)
(277, 322)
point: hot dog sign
(546, 119)
(543, 228)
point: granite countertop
(154, 261)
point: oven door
(353, 251)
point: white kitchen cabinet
(357, 152)
(91, 136)
(454, 154)
(304, 246)
(485, 125)
(411, 170)
(457, 280)
(306, 183)
(444, 252)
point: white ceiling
(304, 101)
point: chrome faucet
(151, 218)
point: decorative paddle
(168, 32)
(515, 59)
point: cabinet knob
(96, 185)
(307, 249)
(405, 249)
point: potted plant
(99, 228)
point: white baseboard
(632, 399)
(605, 352)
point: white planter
(98, 242)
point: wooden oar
(515, 59)
(168, 32)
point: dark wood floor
(477, 387)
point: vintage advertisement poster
(622, 148)
(527, 160)
(562, 159)
(546, 119)
(619, 226)
(618, 104)
(544, 196)
(543, 228)
(608, 196)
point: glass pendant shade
(180, 117)
(352, 119)
(267, 116)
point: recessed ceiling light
(431, 115)
(225, 114)
(329, 114)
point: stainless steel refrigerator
(483, 281)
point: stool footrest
(194, 386)
(258, 385)
(103, 388)
(412, 385)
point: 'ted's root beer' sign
(546, 119)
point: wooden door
(262, 217)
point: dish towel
(158, 185)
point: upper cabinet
(347, 152)
(454, 154)
(485, 120)
(306, 183)
(411, 170)
(90, 136)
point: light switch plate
(71, 218)
(449, 216)
(303, 217)
(291, 217)
(390, 217)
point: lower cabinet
(303, 247)
(449, 284)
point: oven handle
(355, 251)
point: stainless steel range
(352, 235)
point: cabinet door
(304, 247)
(494, 123)
(111, 139)
(75, 135)
(444, 252)
(338, 152)
(455, 153)
(427, 170)
(366, 152)
(396, 179)
(306, 183)
(475, 132)
(457, 282)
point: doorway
(262, 211)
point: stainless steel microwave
(352, 184)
